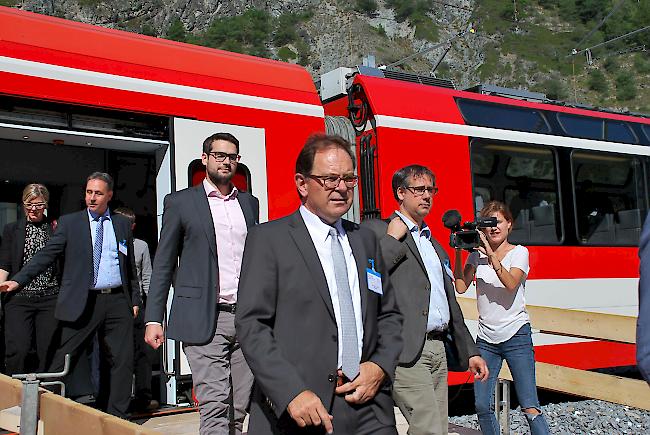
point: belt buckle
(106, 291)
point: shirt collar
(317, 226)
(413, 227)
(93, 216)
(210, 190)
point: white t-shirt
(501, 312)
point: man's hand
(397, 228)
(365, 386)
(479, 368)
(153, 335)
(306, 409)
(8, 286)
(136, 310)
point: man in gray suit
(318, 323)
(204, 229)
(420, 272)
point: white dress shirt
(319, 232)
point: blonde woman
(504, 331)
(29, 312)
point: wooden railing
(579, 382)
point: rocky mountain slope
(513, 43)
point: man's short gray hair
(101, 176)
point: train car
(576, 180)
(76, 98)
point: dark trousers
(29, 324)
(111, 317)
(141, 364)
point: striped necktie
(350, 358)
(97, 247)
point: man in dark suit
(420, 272)
(643, 321)
(318, 323)
(99, 288)
(204, 229)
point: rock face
(333, 33)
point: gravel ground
(583, 417)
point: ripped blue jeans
(518, 352)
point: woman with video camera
(504, 331)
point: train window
(609, 198)
(646, 130)
(581, 126)
(241, 179)
(525, 178)
(501, 116)
(616, 131)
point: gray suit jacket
(286, 325)
(187, 238)
(412, 287)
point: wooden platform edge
(615, 389)
(575, 323)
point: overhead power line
(586, 38)
(611, 40)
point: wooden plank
(11, 392)
(630, 392)
(64, 416)
(575, 323)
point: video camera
(465, 235)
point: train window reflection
(500, 116)
(609, 198)
(581, 126)
(525, 178)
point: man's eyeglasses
(331, 182)
(36, 206)
(419, 190)
(220, 157)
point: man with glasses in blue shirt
(420, 273)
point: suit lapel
(205, 216)
(119, 235)
(245, 205)
(86, 241)
(302, 239)
(411, 244)
(361, 258)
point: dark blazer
(187, 238)
(286, 325)
(412, 287)
(643, 321)
(13, 247)
(73, 241)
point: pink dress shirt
(230, 230)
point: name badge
(122, 247)
(374, 278)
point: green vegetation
(416, 12)
(285, 54)
(555, 89)
(367, 7)
(254, 32)
(642, 63)
(176, 31)
(597, 81)
(9, 3)
(625, 87)
(147, 29)
(611, 65)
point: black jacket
(73, 241)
